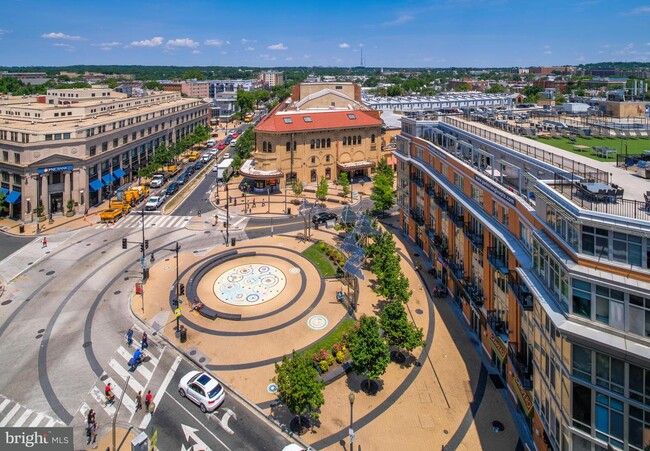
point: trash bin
(183, 334)
(140, 442)
(289, 210)
(21, 228)
(233, 241)
(145, 273)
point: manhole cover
(39, 336)
(41, 270)
(498, 426)
(419, 311)
(7, 302)
(49, 273)
(117, 292)
(40, 331)
(30, 263)
(104, 377)
(202, 359)
(103, 252)
(192, 352)
(87, 344)
(445, 431)
(87, 244)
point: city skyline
(460, 33)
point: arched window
(318, 143)
(345, 141)
(263, 146)
(288, 146)
(349, 140)
(327, 158)
(312, 145)
(295, 146)
(313, 160)
(359, 139)
(328, 173)
(329, 143)
(313, 175)
(372, 138)
(322, 143)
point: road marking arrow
(224, 421)
(190, 433)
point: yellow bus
(248, 117)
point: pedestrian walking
(91, 432)
(91, 416)
(148, 400)
(44, 241)
(129, 337)
(145, 341)
(138, 401)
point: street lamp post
(351, 431)
(227, 214)
(268, 198)
(176, 249)
(285, 195)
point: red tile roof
(319, 120)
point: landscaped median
(327, 259)
(187, 188)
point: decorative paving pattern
(250, 284)
(317, 322)
(294, 270)
(272, 388)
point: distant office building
(440, 101)
(550, 70)
(272, 78)
(171, 86)
(200, 89)
(219, 86)
(29, 78)
(224, 107)
(81, 144)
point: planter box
(42, 218)
(69, 214)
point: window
(640, 319)
(104, 146)
(595, 241)
(477, 195)
(288, 146)
(313, 175)
(307, 119)
(328, 173)
(93, 151)
(372, 138)
(345, 141)
(359, 139)
(581, 298)
(582, 363)
(288, 120)
(125, 139)
(264, 146)
(351, 116)
(610, 373)
(115, 142)
(582, 407)
(328, 143)
(313, 160)
(5, 155)
(610, 306)
(609, 419)
(16, 158)
(48, 137)
(327, 158)
(627, 248)
(312, 144)
(318, 143)
(322, 143)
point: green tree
(297, 187)
(383, 192)
(398, 330)
(344, 181)
(245, 101)
(3, 207)
(112, 83)
(193, 74)
(368, 350)
(560, 99)
(496, 88)
(321, 190)
(463, 87)
(394, 91)
(152, 85)
(299, 387)
(261, 96)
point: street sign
(138, 288)
(351, 434)
(178, 312)
(143, 262)
(154, 439)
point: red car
(235, 135)
(221, 146)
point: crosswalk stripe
(51, 423)
(124, 373)
(100, 397)
(117, 391)
(9, 416)
(36, 420)
(140, 368)
(23, 418)
(4, 404)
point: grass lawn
(321, 260)
(330, 339)
(634, 146)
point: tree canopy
(344, 181)
(368, 350)
(321, 189)
(398, 330)
(299, 387)
(383, 191)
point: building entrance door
(56, 202)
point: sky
(434, 33)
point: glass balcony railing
(472, 235)
(523, 369)
(520, 290)
(498, 260)
(419, 181)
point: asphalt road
(10, 244)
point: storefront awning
(5, 191)
(13, 197)
(108, 178)
(355, 165)
(118, 173)
(96, 185)
(248, 170)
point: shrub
(336, 348)
(330, 360)
(324, 366)
(321, 246)
(340, 356)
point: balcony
(431, 232)
(441, 201)
(419, 220)
(520, 290)
(457, 269)
(498, 260)
(473, 292)
(419, 181)
(456, 217)
(430, 190)
(472, 235)
(499, 326)
(523, 369)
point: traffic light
(175, 303)
(181, 289)
(141, 247)
(124, 243)
(146, 244)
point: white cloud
(245, 41)
(3, 32)
(153, 42)
(196, 52)
(400, 20)
(215, 42)
(267, 57)
(250, 49)
(59, 35)
(344, 46)
(183, 42)
(66, 47)
(107, 45)
(306, 56)
(637, 11)
(278, 46)
(289, 58)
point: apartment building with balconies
(83, 146)
(549, 263)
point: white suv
(202, 389)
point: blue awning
(4, 190)
(108, 178)
(13, 197)
(118, 173)
(96, 185)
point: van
(211, 143)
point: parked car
(227, 140)
(202, 389)
(153, 203)
(235, 135)
(221, 146)
(182, 178)
(322, 218)
(233, 142)
(198, 165)
(206, 157)
(226, 155)
(172, 188)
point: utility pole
(144, 262)
(227, 216)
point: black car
(182, 179)
(190, 170)
(228, 139)
(172, 188)
(322, 218)
(198, 165)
